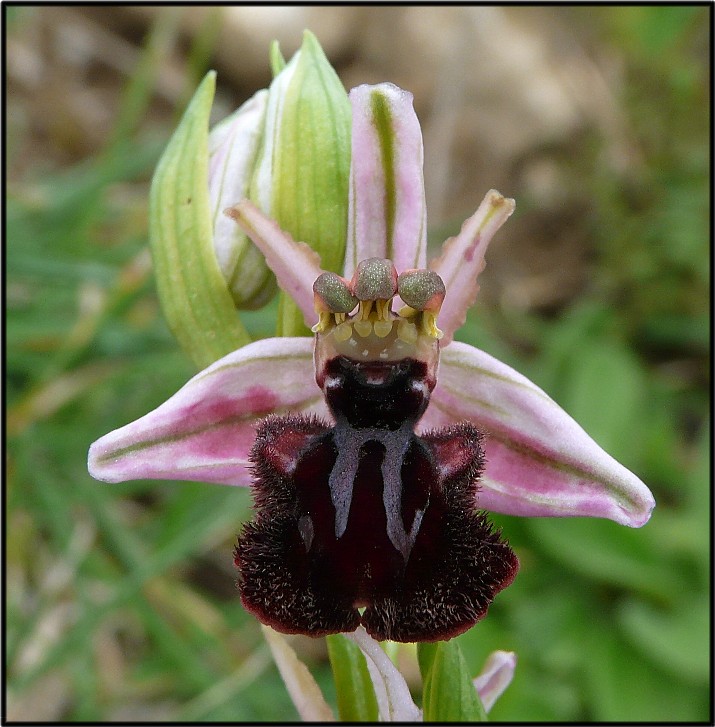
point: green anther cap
(421, 289)
(374, 279)
(333, 294)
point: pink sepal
(387, 216)
(205, 431)
(540, 462)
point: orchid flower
(369, 448)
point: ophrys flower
(539, 461)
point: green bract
(288, 150)
(192, 290)
(302, 176)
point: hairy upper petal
(539, 460)
(462, 259)
(387, 214)
(205, 431)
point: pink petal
(387, 216)
(495, 677)
(205, 431)
(295, 264)
(539, 460)
(462, 259)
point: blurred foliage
(120, 599)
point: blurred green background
(121, 602)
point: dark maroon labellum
(368, 515)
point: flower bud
(233, 150)
(288, 150)
(301, 177)
(192, 291)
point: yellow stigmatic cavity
(363, 328)
(382, 328)
(429, 325)
(407, 332)
(343, 332)
(407, 312)
(425, 322)
(374, 332)
(325, 320)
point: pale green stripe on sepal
(385, 127)
(193, 293)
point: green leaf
(678, 639)
(449, 694)
(605, 393)
(193, 293)
(605, 552)
(137, 93)
(623, 687)
(425, 657)
(356, 696)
